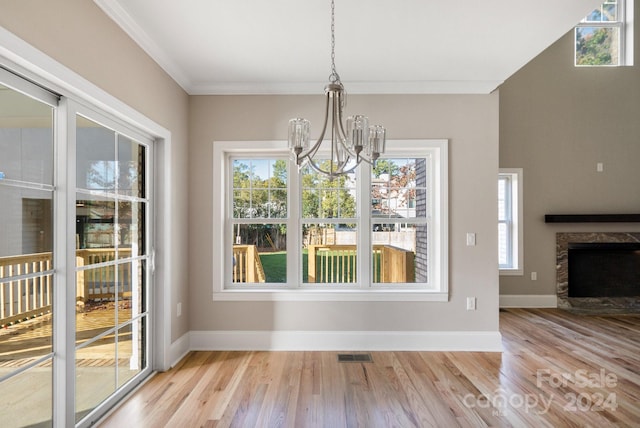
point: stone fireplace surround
(590, 304)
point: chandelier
(350, 144)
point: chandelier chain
(351, 145)
(333, 77)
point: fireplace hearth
(598, 272)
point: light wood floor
(557, 370)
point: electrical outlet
(471, 303)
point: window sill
(331, 295)
(511, 272)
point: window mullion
(294, 226)
(364, 250)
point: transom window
(604, 37)
(379, 229)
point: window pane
(131, 164)
(607, 12)
(399, 253)
(26, 220)
(597, 46)
(503, 183)
(259, 253)
(131, 358)
(610, 12)
(95, 225)
(25, 314)
(26, 139)
(95, 294)
(399, 189)
(95, 383)
(503, 244)
(96, 156)
(259, 188)
(329, 253)
(27, 398)
(326, 198)
(131, 229)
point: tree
(595, 47)
(260, 197)
(385, 166)
(395, 182)
(323, 197)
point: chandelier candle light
(360, 142)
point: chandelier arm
(329, 174)
(343, 134)
(364, 158)
(336, 137)
(313, 149)
(335, 174)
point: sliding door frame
(24, 60)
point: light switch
(471, 239)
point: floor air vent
(355, 358)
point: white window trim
(222, 149)
(625, 24)
(517, 241)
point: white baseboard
(528, 301)
(179, 349)
(484, 341)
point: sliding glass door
(75, 258)
(111, 260)
(27, 276)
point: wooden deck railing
(396, 264)
(100, 283)
(332, 263)
(30, 293)
(247, 266)
(337, 263)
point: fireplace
(610, 269)
(598, 271)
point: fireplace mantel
(592, 218)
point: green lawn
(275, 266)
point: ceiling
(401, 47)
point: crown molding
(361, 88)
(122, 18)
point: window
(510, 222)
(288, 234)
(604, 37)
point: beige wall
(79, 35)
(471, 125)
(557, 122)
